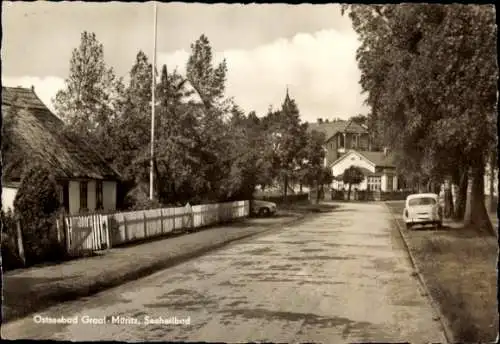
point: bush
(280, 198)
(145, 204)
(37, 205)
(10, 254)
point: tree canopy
(429, 72)
(206, 147)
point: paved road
(343, 276)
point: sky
(308, 48)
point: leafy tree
(360, 119)
(430, 76)
(93, 92)
(129, 133)
(352, 176)
(207, 80)
(210, 135)
(287, 137)
(311, 168)
(10, 254)
(36, 204)
(175, 161)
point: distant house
(378, 168)
(341, 136)
(33, 133)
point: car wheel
(264, 212)
(408, 226)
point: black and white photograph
(235, 173)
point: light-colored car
(262, 208)
(423, 209)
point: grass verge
(459, 267)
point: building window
(374, 183)
(64, 195)
(99, 203)
(83, 196)
(60, 190)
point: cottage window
(99, 203)
(60, 190)
(64, 196)
(374, 183)
(83, 196)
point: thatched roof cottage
(31, 132)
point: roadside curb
(443, 321)
(61, 294)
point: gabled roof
(330, 129)
(378, 159)
(33, 132)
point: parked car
(423, 209)
(262, 208)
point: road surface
(343, 276)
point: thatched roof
(32, 133)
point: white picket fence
(86, 233)
(93, 232)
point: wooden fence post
(67, 226)
(107, 231)
(62, 235)
(145, 225)
(191, 213)
(58, 229)
(19, 240)
(161, 220)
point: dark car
(263, 208)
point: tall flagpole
(153, 103)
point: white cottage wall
(383, 183)
(8, 197)
(351, 159)
(74, 197)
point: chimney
(320, 120)
(32, 88)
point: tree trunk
(459, 210)
(349, 192)
(492, 205)
(300, 187)
(477, 216)
(448, 200)
(317, 192)
(286, 188)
